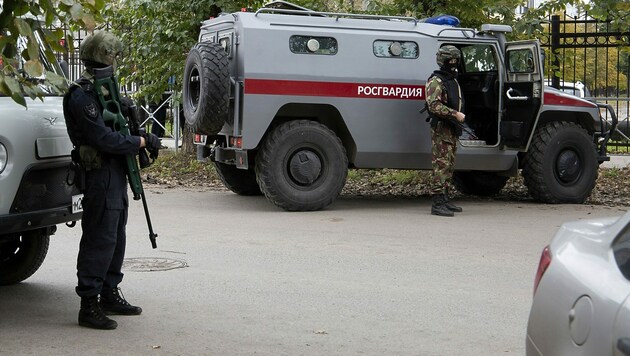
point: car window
(312, 45)
(571, 91)
(621, 250)
(395, 49)
(520, 61)
(479, 58)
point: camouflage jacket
(437, 98)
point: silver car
(581, 290)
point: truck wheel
(21, 255)
(479, 183)
(302, 166)
(206, 88)
(561, 164)
(240, 181)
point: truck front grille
(43, 187)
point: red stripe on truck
(334, 89)
(566, 100)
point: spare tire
(206, 89)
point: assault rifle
(453, 121)
(106, 87)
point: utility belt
(84, 159)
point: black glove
(153, 144)
(125, 105)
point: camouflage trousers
(444, 147)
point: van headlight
(3, 157)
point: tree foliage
(158, 36)
(20, 21)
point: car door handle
(623, 345)
(509, 95)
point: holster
(76, 172)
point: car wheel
(206, 89)
(240, 181)
(21, 254)
(561, 164)
(302, 166)
(479, 183)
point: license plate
(77, 203)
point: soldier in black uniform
(101, 152)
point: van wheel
(479, 183)
(302, 166)
(561, 164)
(21, 255)
(240, 181)
(206, 89)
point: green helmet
(100, 47)
(446, 53)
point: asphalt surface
(365, 276)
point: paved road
(366, 276)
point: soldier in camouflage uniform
(445, 105)
(100, 150)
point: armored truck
(285, 100)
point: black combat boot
(450, 206)
(114, 303)
(91, 315)
(439, 206)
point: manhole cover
(151, 264)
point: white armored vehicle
(287, 99)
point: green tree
(159, 35)
(470, 13)
(22, 19)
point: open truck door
(522, 93)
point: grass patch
(180, 168)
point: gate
(586, 57)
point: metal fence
(589, 54)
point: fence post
(555, 49)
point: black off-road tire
(240, 181)
(302, 166)
(206, 89)
(561, 164)
(479, 183)
(21, 255)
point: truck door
(522, 93)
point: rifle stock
(106, 87)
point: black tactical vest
(452, 89)
(452, 101)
